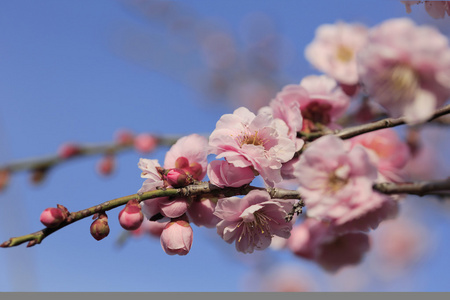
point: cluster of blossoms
(403, 67)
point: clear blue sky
(64, 77)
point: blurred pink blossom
(334, 50)
(258, 141)
(318, 241)
(336, 184)
(406, 68)
(222, 174)
(253, 220)
(386, 151)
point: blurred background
(77, 71)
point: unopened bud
(124, 137)
(145, 143)
(53, 216)
(100, 227)
(178, 178)
(106, 165)
(176, 238)
(5, 176)
(131, 217)
(68, 150)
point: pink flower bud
(52, 216)
(5, 176)
(100, 227)
(68, 150)
(106, 165)
(176, 238)
(178, 178)
(131, 217)
(145, 143)
(124, 137)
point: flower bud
(68, 150)
(145, 143)
(124, 137)
(106, 165)
(131, 217)
(176, 238)
(181, 162)
(222, 174)
(53, 217)
(195, 169)
(177, 178)
(100, 227)
(5, 176)
(39, 174)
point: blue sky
(64, 76)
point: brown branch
(420, 188)
(204, 189)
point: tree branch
(420, 188)
(204, 189)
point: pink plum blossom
(145, 143)
(406, 69)
(437, 9)
(318, 241)
(326, 102)
(151, 173)
(336, 184)
(193, 149)
(334, 50)
(176, 238)
(386, 151)
(223, 174)
(252, 221)
(201, 213)
(258, 141)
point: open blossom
(258, 141)
(150, 172)
(201, 213)
(336, 185)
(386, 151)
(318, 241)
(406, 69)
(334, 49)
(326, 101)
(252, 221)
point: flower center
(250, 139)
(399, 82)
(252, 229)
(344, 54)
(338, 179)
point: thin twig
(420, 188)
(204, 189)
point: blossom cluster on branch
(349, 180)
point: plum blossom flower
(258, 141)
(252, 221)
(406, 69)
(334, 50)
(318, 241)
(325, 104)
(151, 173)
(386, 151)
(336, 185)
(222, 174)
(201, 213)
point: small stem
(420, 188)
(203, 188)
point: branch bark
(205, 189)
(420, 188)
